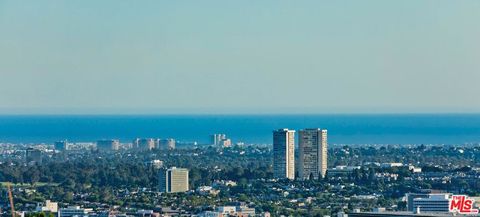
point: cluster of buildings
(426, 204)
(220, 140)
(418, 204)
(239, 209)
(309, 163)
(115, 145)
(175, 175)
(64, 145)
(77, 211)
(312, 147)
(70, 211)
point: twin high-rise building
(312, 162)
(150, 144)
(284, 154)
(312, 147)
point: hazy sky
(239, 56)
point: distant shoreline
(249, 129)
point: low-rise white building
(390, 165)
(223, 211)
(49, 206)
(342, 170)
(74, 211)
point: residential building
(237, 210)
(284, 154)
(144, 144)
(33, 155)
(245, 211)
(225, 143)
(227, 210)
(342, 170)
(60, 145)
(166, 144)
(74, 211)
(414, 169)
(173, 180)
(48, 206)
(211, 214)
(156, 164)
(81, 146)
(147, 213)
(108, 144)
(217, 138)
(312, 146)
(390, 165)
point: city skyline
(239, 108)
(176, 57)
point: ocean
(250, 129)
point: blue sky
(239, 56)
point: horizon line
(240, 113)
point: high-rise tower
(312, 145)
(173, 180)
(284, 154)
